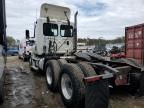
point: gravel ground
(27, 89)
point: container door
(138, 44)
(129, 42)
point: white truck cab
(53, 31)
(54, 35)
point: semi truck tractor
(2, 47)
(82, 79)
(25, 47)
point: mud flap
(97, 94)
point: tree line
(101, 41)
(11, 41)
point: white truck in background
(25, 48)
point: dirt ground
(27, 89)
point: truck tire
(52, 70)
(134, 83)
(87, 69)
(72, 88)
(134, 76)
(30, 62)
(19, 57)
(24, 59)
(62, 62)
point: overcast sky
(97, 18)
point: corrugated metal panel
(140, 61)
(130, 34)
(138, 43)
(134, 42)
(130, 44)
(137, 53)
(129, 53)
(138, 33)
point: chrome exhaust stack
(75, 32)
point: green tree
(10, 41)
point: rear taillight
(91, 79)
(98, 77)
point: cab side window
(50, 29)
(66, 30)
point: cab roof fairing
(54, 12)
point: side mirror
(27, 34)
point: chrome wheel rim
(49, 75)
(66, 86)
